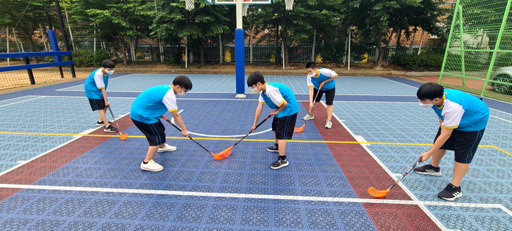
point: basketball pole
(239, 52)
(63, 28)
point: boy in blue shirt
(95, 87)
(146, 111)
(280, 98)
(462, 121)
(321, 79)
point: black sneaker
(279, 163)
(428, 170)
(450, 192)
(100, 123)
(110, 128)
(274, 148)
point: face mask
(426, 105)
(255, 90)
(110, 72)
(182, 93)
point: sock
(145, 162)
(282, 157)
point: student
(280, 98)
(323, 79)
(462, 121)
(95, 87)
(146, 111)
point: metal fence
(261, 53)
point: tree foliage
(125, 22)
(23, 17)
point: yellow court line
(252, 140)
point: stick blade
(223, 154)
(377, 193)
(299, 129)
(123, 136)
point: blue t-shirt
(274, 96)
(323, 74)
(94, 83)
(151, 104)
(462, 111)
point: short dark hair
(255, 78)
(310, 65)
(183, 82)
(430, 91)
(107, 63)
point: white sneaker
(167, 148)
(309, 117)
(151, 166)
(328, 124)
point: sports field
(58, 171)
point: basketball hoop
(289, 4)
(189, 4)
(244, 9)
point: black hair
(310, 65)
(255, 78)
(182, 81)
(107, 63)
(430, 91)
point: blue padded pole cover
(54, 44)
(240, 61)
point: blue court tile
(463, 218)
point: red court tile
(362, 172)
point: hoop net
(289, 4)
(189, 4)
(244, 9)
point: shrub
(87, 58)
(422, 62)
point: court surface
(58, 171)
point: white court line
(214, 99)
(501, 110)
(406, 190)
(508, 121)
(65, 89)
(497, 117)
(246, 93)
(390, 80)
(22, 101)
(358, 101)
(255, 196)
(126, 97)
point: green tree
(121, 21)
(199, 26)
(23, 18)
(300, 24)
(425, 14)
(378, 20)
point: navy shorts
(155, 133)
(283, 126)
(329, 95)
(97, 104)
(463, 143)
